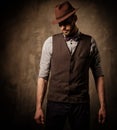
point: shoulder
(49, 39)
(90, 37)
(84, 35)
(47, 43)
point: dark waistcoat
(69, 79)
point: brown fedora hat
(63, 11)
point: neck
(73, 31)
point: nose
(63, 27)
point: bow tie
(75, 38)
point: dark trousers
(78, 116)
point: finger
(42, 120)
(101, 119)
(38, 121)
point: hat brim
(65, 17)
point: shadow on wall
(9, 116)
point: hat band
(65, 14)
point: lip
(65, 31)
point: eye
(65, 23)
(60, 24)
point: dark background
(24, 25)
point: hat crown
(63, 9)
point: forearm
(41, 90)
(101, 91)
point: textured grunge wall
(24, 25)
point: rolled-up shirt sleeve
(45, 59)
(95, 60)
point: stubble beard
(69, 32)
(66, 32)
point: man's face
(67, 26)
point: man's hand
(102, 115)
(39, 116)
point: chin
(66, 33)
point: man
(65, 62)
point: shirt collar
(75, 37)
